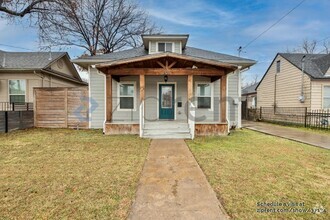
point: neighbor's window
(326, 97)
(165, 47)
(126, 95)
(17, 90)
(204, 95)
(278, 66)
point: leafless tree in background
(101, 26)
(311, 46)
(21, 8)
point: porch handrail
(16, 106)
(191, 119)
(141, 118)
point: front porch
(166, 96)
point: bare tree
(21, 8)
(326, 46)
(98, 25)
(309, 46)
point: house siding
(232, 113)
(97, 96)
(208, 115)
(283, 88)
(66, 69)
(32, 81)
(131, 116)
(317, 93)
(153, 46)
(151, 102)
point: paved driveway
(306, 137)
(173, 186)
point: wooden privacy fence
(14, 120)
(61, 107)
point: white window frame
(212, 94)
(323, 96)
(134, 96)
(165, 42)
(17, 94)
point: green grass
(68, 174)
(301, 128)
(249, 167)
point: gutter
(64, 77)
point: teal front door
(166, 101)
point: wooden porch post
(142, 88)
(223, 101)
(109, 97)
(190, 87)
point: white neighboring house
(165, 89)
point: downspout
(302, 97)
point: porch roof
(166, 63)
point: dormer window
(165, 47)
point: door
(166, 101)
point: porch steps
(166, 130)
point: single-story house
(164, 89)
(249, 95)
(20, 72)
(296, 80)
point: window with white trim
(126, 96)
(165, 47)
(17, 90)
(204, 95)
(326, 97)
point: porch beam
(142, 88)
(109, 98)
(223, 101)
(190, 87)
(161, 71)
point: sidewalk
(294, 134)
(173, 186)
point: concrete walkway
(294, 134)
(173, 186)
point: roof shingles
(27, 60)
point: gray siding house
(165, 89)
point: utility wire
(22, 48)
(270, 27)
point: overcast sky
(220, 25)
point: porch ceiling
(166, 64)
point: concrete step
(169, 132)
(168, 136)
(159, 126)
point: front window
(126, 96)
(204, 95)
(17, 90)
(326, 97)
(165, 47)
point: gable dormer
(171, 43)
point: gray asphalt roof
(189, 51)
(316, 65)
(27, 60)
(250, 89)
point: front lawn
(247, 168)
(68, 174)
